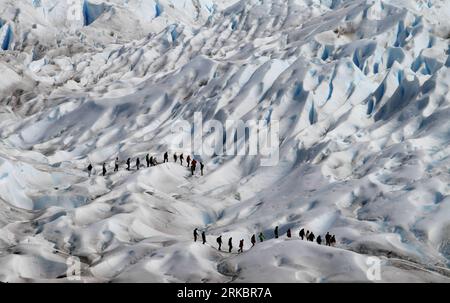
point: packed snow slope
(361, 90)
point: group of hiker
(330, 240)
(151, 161)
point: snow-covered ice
(361, 91)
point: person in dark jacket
(307, 235)
(175, 157)
(333, 240)
(104, 169)
(302, 233)
(128, 163)
(288, 233)
(138, 163)
(319, 240)
(219, 241)
(116, 164)
(203, 237)
(188, 159)
(311, 237)
(230, 244)
(181, 159)
(166, 157)
(327, 239)
(253, 240)
(202, 166)
(89, 168)
(276, 232)
(147, 159)
(241, 246)
(195, 235)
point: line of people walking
(151, 161)
(330, 240)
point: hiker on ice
(89, 168)
(195, 235)
(193, 166)
(151, 161)
(253, 240)
(276, 232)
(241, 246)
(128, 163)
(138, 163)
(181, 159)
(166, 157)
(327, 239)
(261, 237)
(288, 233)
(203, 237)
(307, 235)
(175, 157)
(147, 159)
(230, 244)
(202, 166)
(333, 240)
(302, 233)
(219, 241)
(319, 240)
(116, 164)
(311, 237)
(188, 159)
(104, 169)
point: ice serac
(6, 36)
(36, 3)
(92, 11)
(158, 9)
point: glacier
(361, 92)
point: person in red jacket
(193, 166)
